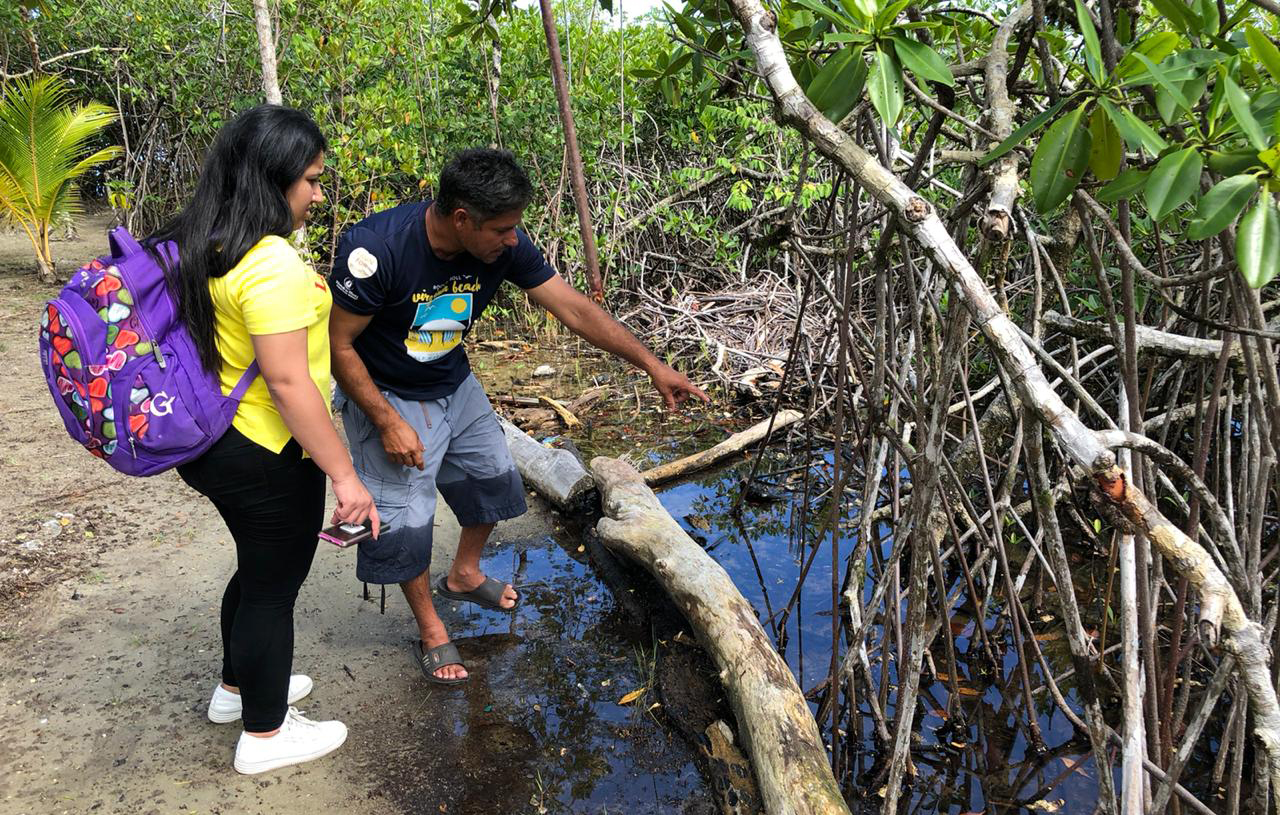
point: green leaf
(885, 86)
(1127, 184)
(1092, 49)
(886, 17)
(1264, 51)
(1177, 14)
(1107, 149)
(1172, 181)
(1164, 82)
(687, 27)
(1155, 46)
(1059, 160)
(838, 86)
(1239, 104)
(1233, 162)
(1209, 21)
(1020, 135)
(841, 21)
(922, 60)
(1221, 205)
(866, 9)
(1137, 133)
(1258, 243)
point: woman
(244, 294)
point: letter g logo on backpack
(161, 404)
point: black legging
(273, 505)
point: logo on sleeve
(361, 263)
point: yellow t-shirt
(270, 291)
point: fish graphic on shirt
(438, 326)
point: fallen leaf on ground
(631, 697)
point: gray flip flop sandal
(487, 595)
(431, 660)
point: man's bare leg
(465, 574)
(431, 628)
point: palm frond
(43, 139)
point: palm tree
(43, 139)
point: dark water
(984, 764)
(539, 728)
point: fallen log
(777, 730)
(557, 475)
(729, 447)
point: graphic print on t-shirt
(440, 321)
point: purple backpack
(123, 370)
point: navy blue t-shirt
(422, 306)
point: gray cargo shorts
(466, 459)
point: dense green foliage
(397, 88)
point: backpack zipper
(155, 341)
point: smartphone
(344, 535)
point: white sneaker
(226, 706)
(299, 740)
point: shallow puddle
(539, 727)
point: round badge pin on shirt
(361, 263)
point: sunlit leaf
(630, 698)
(1127, 184)
(1264, 51)
(1155, 46)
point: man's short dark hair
(485, 182)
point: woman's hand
(355, 504)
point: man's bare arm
(589, 321)
(399, 439)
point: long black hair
(239, 199)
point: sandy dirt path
(109, 591)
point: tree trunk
(555, 474)
(575, 157)
(267, 52)
(777, 730)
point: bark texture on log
(731, 446)
(555, 474)
(1220, 607)
(778, 731)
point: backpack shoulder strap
(246, 379)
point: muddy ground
(109, 591)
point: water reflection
(538, 727)
(971, 752)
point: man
(408, 284)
